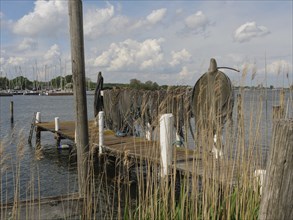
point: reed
(120, 188)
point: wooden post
(58, 140)
(166, 142)
(259, 176)
(101, 131)
(79, 89)
(38, 137)
(57, 123)
(32, 129)
(148, 133)
(57, 127)
(276, 201)
(38, 117)
(11, 112)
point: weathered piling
(78, 73)
(57, 136)
(38, 130)
(38, 138)
(166, 142)
(11, 112)
(276, 201)
(32, 129)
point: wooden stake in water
(11, 112)
(38, 137)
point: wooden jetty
(133, 147)
(140, 150)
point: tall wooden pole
(276, 201)
(78, 73)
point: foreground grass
(118, 188)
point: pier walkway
(133, 147)
(141, 150)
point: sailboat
(62, 87)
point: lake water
(55, 172)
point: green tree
(22, 83)
(135, 84)
(4, 83)
(58, 82)
(68, 79)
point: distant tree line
(148, 85)
(136, 84)
(60, 82)
(23, 83)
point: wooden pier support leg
(11, 112)
(38, 137)
(101, 131)
(276, 201)
(166, 142)
(58, 141)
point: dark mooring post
(38, 138)
(276, 201)
(79, 89)
(11, 112)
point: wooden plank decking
(139, 149)
(134, 147)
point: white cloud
(97, 20)
(279, 67)
(131, 55)
(179, 57)
(16, 61)
(28, 44)
(104, 21)
(153, 18)
(53, 53)
(248, 31)
(197, 22)
(156, 15)
(47, 18)
(184, 73)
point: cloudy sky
(169, 42)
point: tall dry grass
(120, 188)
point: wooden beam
(79, 90)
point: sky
(168, 42)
